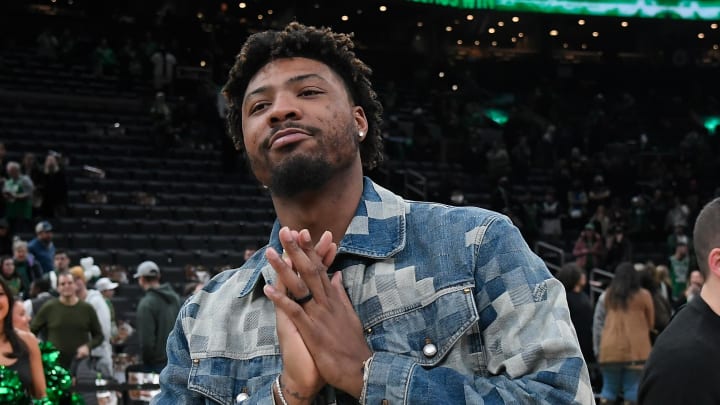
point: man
(62, 264)
(425, 303)
(156, 315)
(107, 289)
(69, 323)
(42, 246)
(39, 295)
(679, 268)
(103, 352)
(682, 368)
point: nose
(284, 107)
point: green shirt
(68, 327)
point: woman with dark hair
(625, 339)
(19, 350)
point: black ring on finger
(303, 300)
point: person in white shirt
(103, 352)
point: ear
(360, 120)
(714, 262)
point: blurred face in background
(21, 320)
(66, 286)
(8, 267)
(696, 278)
(20, 253)
(62, 262)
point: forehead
(281, 71)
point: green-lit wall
(685, 9)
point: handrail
(421, 189)
(554, 267)
(595, 285)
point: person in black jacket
(156, 315)
(682, 367)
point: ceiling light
(595, 34)
(701, 35)
(344, 18)
(581, 22)
(469, 17)
(491, 30)
(383, 8)
(242, 5)
(516, 19)
(624, 24)
(448, 28)
(501, 23)
(554, 33)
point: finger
(285, 306)
(324, 248)
(285, 274)
(306, 263)
(339, 289)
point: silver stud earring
(361, 134)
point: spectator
(69, 324)
(107, 289)
(6, 238)
(618, 248)
(18, 195)
(163, 68)
(103, 59)
(161, 116)
(39, 295)
(103, 352)
(679, 268)
(156, 313)
(26, 266)
(42, 246)
(624, 334)
(588, 249)
(54, 194)
(581, 309)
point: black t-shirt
(683, 364)
(581, 314)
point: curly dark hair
(321, 44)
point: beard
(300, 174)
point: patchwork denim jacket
(459, 280)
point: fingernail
(306, 235)
(269, 290)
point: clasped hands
(321, 339)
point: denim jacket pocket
(221, 379)
(429, 331)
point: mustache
(306, 128)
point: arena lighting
(677, 9)
(711, 124)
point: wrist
(286, 392)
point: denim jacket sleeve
(175, 376)
(529, 344)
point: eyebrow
(291, 80)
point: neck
(71, 300)
(328, 209)
(709, 294)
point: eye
(258, 107)
(310, 92)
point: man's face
(66, 286)
(45, 236)
(62, 261)
(299, 126)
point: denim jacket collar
(376, 231)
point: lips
(286, 137)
